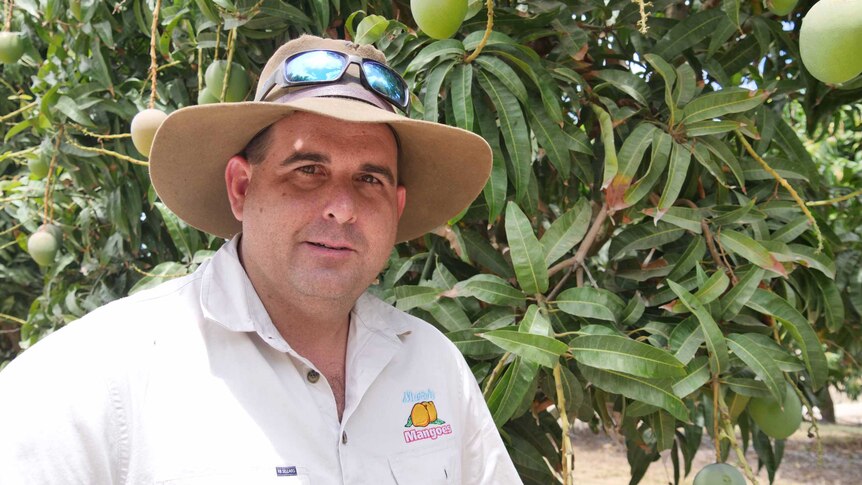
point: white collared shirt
(190, 383)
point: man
(270, 364)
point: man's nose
(341, 204)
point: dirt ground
(601, 459)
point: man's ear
(237, 175)
(401, 193)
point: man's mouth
(333, 246)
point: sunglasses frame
(279, 78)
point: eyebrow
(317, 157)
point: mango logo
(423, 414)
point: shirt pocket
(427, 467)
(249, 476)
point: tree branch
(586, 244)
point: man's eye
(370, 179)
(309, 169)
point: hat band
(351, 90)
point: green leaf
(758, 361)
(680, 158)
(808, 257)
(792, 229)
(686, 84)
(633, 150)
(539, 349)
(711, 127)
(633, 311)
(448, 314)
(748, 387)
(461, 88)
(651, 391)
(692, 254)
(799, 329)
(683, 217)
(527, 254)
(409, 297)
(739, 295)
(725, 155)
(433, 84)
(535, 322)
(591, 303)
(371, 29)
(645, 235)
(709, 291)
(627, 82)
(667, 72)
(566, 231)
(481, 251)
(664, 428)
(750, 249)
(511, 390)
(719, 103)
(490, 289)
(471, 344)
(625, 355)
(833, 306)
(68, 107)
(780, 355)
(497, 185)
(689, 32)
(505, 74)
(514, 128)
(686, 338)
(441, 49)
(715, 344)
(698, 375)
(661, 146)
(607, 127)
(550, 137)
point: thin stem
(48, 201)
(7, 24)
(488, 29)
(586, 244)
(98, 136)
(154, 63)
(496, 372)
(784, 183)
(835, 200)
(231, 40)
(102, 151)
(12, 319)
(710, 243)
(568, 456)
(715, 414)
(18, 111)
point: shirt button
(344, 437)
(313, 376)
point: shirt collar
(229, 299)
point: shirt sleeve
(57, 422)
(485, 459)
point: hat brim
(443, 168)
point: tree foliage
(632, 262)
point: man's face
(320, 211)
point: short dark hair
(255, 150)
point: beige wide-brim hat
(443, 168)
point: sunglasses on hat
(325, 66)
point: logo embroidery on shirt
(285, 471)
(423, 415)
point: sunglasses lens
(315, 66)
(386, 82)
